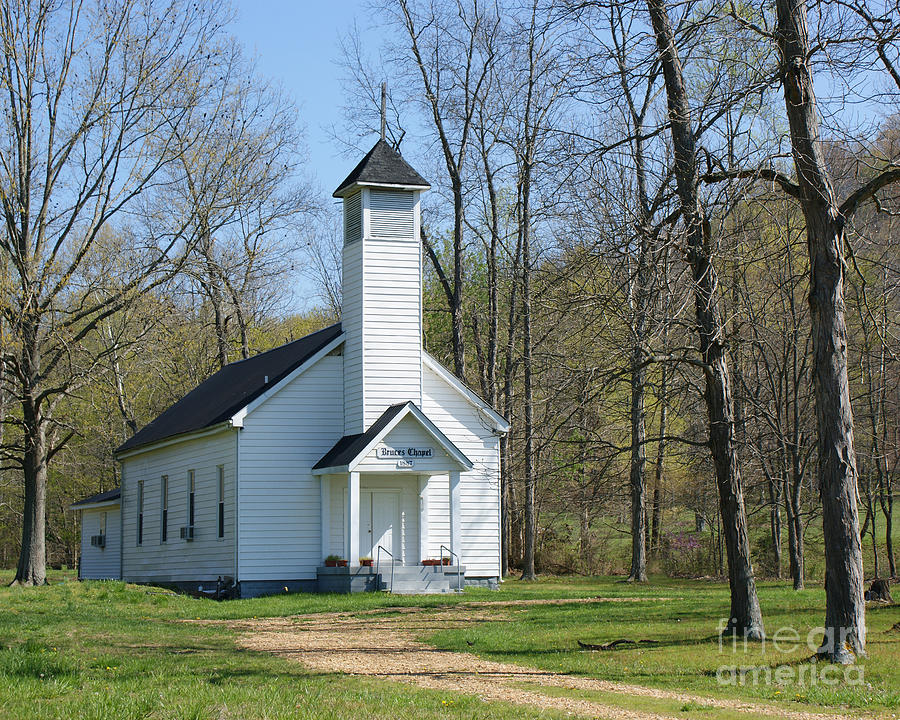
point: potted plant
(365, 562)
(431, 562)
(446, 560)
(335, 561)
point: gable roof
(350, 449)
(108, 497)
(220, 396)
(382, 165)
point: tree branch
(787, 185)
(867, 192)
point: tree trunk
(456, 314)
(845, 620)
(243, 325)
(795, 532)
(220, 324)
(638, 463)
(660, 454)
(121, 400)
(793, 488)
(872, 514)
(508, 491)
(637, 479)
(584, 503)
(32, 566)
(528, 572)
(746, 617)
(775, 523)
(888, 510)
(505, 529)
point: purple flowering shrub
(684, 553)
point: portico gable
(402, 443)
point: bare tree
(776, 385)
(746, 617)
(451, 48)
(241, 192)
(94, 96)
(825, 227)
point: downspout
(237, 491)
(121, 524)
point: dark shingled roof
(349, 446)
(113, 494)
(383, 166)
(232, 388)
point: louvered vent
(391, 214)
(353, 218)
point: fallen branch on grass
(615, 644)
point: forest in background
(562, 280)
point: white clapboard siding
(100, 563)
(437, 492)
(391, 214)
(338, 497)
(382, 308)
(464, 425)
(207, 556)
(280, 527)
(392, 324)
(351, 325)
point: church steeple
(382, 286)
(382, 167)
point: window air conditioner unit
(187, 532)
(98, 541)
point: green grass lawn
(110, 650)
(681, 617)
(107, 649)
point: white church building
(351, 444)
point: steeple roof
(383, 166)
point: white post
(353, 519)
(455, 525)
(325, 502)
(423, 517)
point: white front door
(379, 523)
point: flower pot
(335, 563)
(431, 563)
(446, 561)
(365, 563)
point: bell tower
(381, 285)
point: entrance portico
(394, 487)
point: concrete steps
(408, 579)
(422, 580)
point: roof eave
(173, 440)
(334, 470)
(237, 420)
(342, 192)
(96, 505)
(498, 422)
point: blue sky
(297, 45)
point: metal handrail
(378, 564)
(458, 565)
